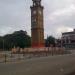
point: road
(51, 65)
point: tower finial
(36, 2)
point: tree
(17, 39)
(1, 42)
(50, 41)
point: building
(68, 39)
(37, 28)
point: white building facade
(68, 40)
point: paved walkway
(51, 65)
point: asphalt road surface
(51, 65)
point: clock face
(34, 12)
(40, 12)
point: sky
(59, 16)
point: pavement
(50, 65)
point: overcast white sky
(59, 16)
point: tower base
(36, 45)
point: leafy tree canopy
(50, 41)
(17, 39)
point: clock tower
(37, 28)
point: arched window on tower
(34, 4)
